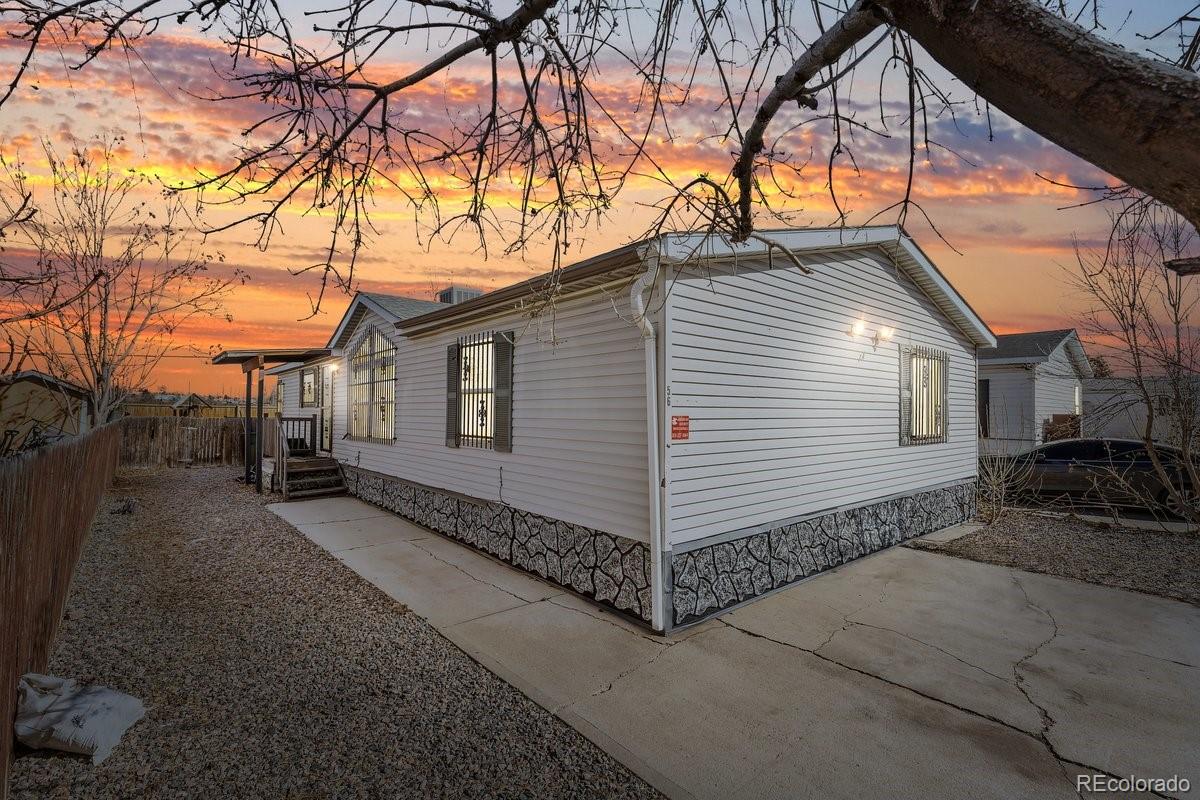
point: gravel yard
(270, 670)
(1152, 561)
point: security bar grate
(476, 390)
(924, 375)
(373, 388)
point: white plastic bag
(59, 714)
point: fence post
(312, 433)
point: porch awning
(1185, 266)
(274, 356)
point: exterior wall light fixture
(878, 337)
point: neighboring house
(36, 408)
(189, 405)
(754, 426)
(1030, 389)
(1115, 408)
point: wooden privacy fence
(48, 498)
(173, 441)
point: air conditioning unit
(457, 294)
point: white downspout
(637, 303)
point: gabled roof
(392, 308)
(47, 381)
(686, 248)
(1034, 344)
(1036, 347)
(188, 398)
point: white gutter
(637, 303)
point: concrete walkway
(904, 674)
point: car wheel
(1178, 504)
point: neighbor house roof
(1035, 347)
(392, 308)
(189, 398)
(697, 248)
(48, 381)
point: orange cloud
(172, 134)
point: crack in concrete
(1040, 738)
(476, 578)
(1047, 720)
(1163, 659)
(481, 616)
(330, 521)
(648, 637)
(363, 546)
(626, 673)
(931, 646)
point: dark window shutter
(905, 395)
(502, 430)
(452, 395)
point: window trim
(940, 361)
(502, 355)
(467, 434)
(316, 376)
(373, 362)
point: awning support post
(246, 440)
(258, 437)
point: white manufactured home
(1116, 408)
(1031, 384)
(672, 428)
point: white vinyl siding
(290, 383)
(1012, 428)
(1054, 388)
(789, 414)
(578, 425)
(1113, 408)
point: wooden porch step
(308, 494)
(315, 481)
(311, 465)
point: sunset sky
(1013, 229)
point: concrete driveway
(904, 674)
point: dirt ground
(1152, 561)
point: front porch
(294, 462)
(275, 438)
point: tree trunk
(1133, 117)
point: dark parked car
(1108, 471)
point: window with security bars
(923, 381)
(309, 388)
(479, 391)
(476, 390)
(373, 388)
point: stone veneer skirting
(717, 576)
(603, 566)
